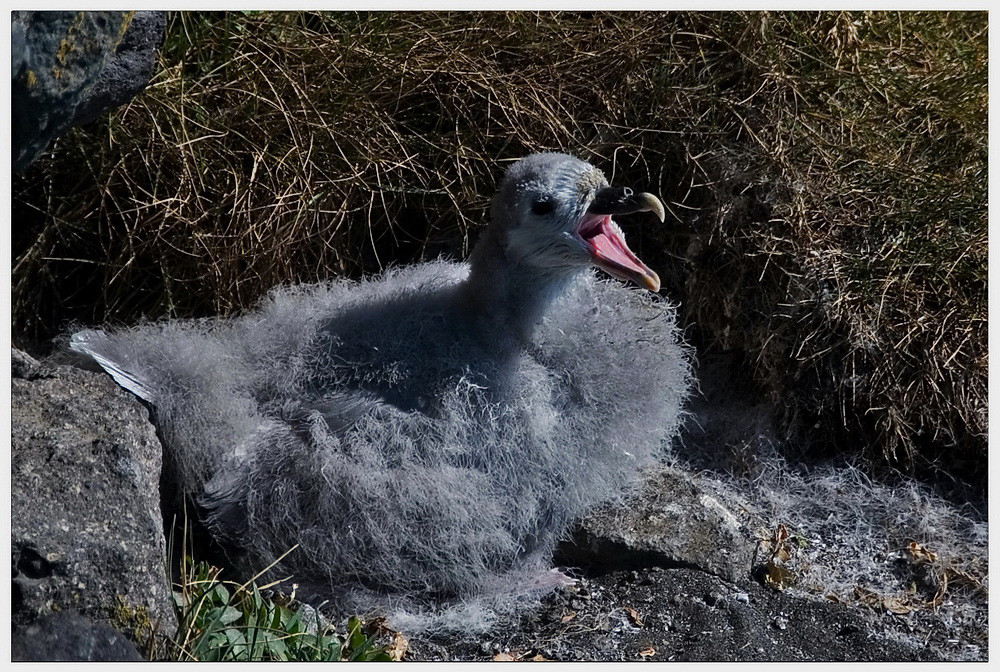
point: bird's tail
(98, 346)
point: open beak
(605, 241)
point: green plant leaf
(214, 594)
(355, 637)
(278, 648)
(236, 637)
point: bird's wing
(340, 410)
(315, 423)
(96, 345)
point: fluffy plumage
(427, 436)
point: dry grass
(869, 302)
(826, 175)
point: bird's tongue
(611, 253)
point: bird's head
(554, 212)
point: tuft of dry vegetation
(861, 294)
(826, 175)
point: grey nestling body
(426, 437)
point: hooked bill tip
(650, 281)
(652, 204)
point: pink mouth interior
(607, 245)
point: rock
(86, 528)
(67, 636)
(129, 69)
(56, 59)
(672, 522)
(714, 599)
(24, 365)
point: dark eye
(542, 207)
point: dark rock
(56, 59)
(24, 365)
(67, 636)
(129, 69)
(672, 522)
(86, 528)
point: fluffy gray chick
(426, 437)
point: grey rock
(56, 59)
(129, 69)
(672, 522)
(67, 636)
(59, 56)
(24, 365)
(86, 528)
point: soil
(682, 614)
